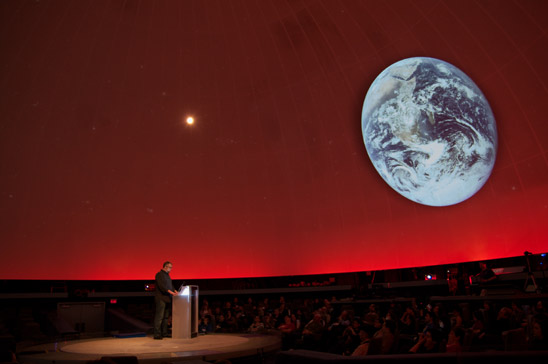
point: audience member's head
(317, 317)
(504, 313)
(364, 334)
(432, 340)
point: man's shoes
(157, 338)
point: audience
(383, 329)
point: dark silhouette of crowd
(349, 328)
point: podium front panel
(185, 313)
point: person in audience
(455, 340)
(205, 310)
(518, 316)
(477, 330)
(288, 326)
(288, 333)
(456, 318)
(317, 304)
(431, 321)
(227, 307)
(539, 341)
(328, 308)
(205, 325)
(313, 332)
(221, 324)
(408, 323)
(371, 315)
(386, 336)
(489, 315)
(284, 310)
(443, 320)
(539, 311)
(326, 317)
(486, 275)
(236, 307)
(394, 312)
(363, 347)
(503, 321)
(277, 319)
(335, 331)
(257, 326)
(296, 321)
(428, 342)
(217, 312)
(250, 309)
(351, 338)
(263, 307)
(268, 322)
(341, 323)
(231, 322)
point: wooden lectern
(185, 313)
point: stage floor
(146, 349)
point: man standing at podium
(162, 298)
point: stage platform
(147, 350)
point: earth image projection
(429, 131)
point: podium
(185, 313)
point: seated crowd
(321, 325)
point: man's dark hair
(166, 263)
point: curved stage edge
(147, 350)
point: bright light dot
(190, 120)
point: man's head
(364, 335)
(317, 317)
(167, 267)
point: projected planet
(429, 131)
